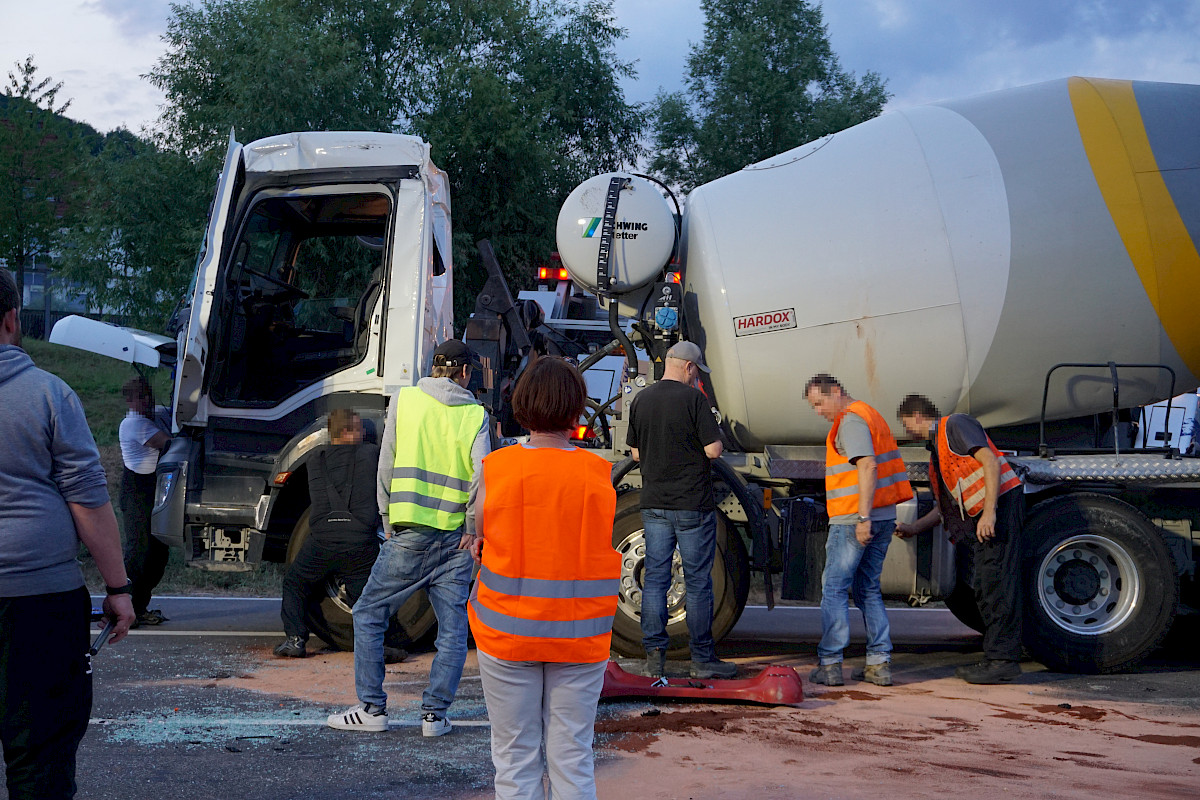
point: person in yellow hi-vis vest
(864, 480)
(433, 444)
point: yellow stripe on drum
(1146, 217)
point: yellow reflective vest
(431, 476)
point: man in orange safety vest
(981, 506)
(864, 480)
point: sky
(927, 50)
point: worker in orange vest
(980, 503)
(542, 609)
(864, 480)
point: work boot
(151, 616)
(713, 669)
(878, 674)
(990, 670)
(394, 655)
(291, 647)
(656, 663)
(827, 674)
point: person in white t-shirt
(142, 442)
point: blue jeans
(852, 568)
(414, 559)
(695, 533)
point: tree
(39, 153)
(526, 105)
(519, 99)
(763, 80)
(265, 67)
(141, 218)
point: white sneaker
(433, 724)
(365, 717)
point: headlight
(166, 482)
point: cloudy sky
(926, 49)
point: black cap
(453, 353)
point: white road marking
(266, 723)
(168, 632)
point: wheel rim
(633, 569)
(1089, 585)
(337, 593)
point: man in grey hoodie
(433, 444)
(54, 495)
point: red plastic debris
(774, 686)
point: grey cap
(688, 351)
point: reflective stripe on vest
(964, 475)
(431, 475)
(841, 476)
(547, 588)
(553, 589)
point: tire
(1100, 584)
(730, 574)
(330, 618)
(961, 600)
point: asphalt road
(198, 708)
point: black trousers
(316, 562)
(996, 579)
(145, 556)
(45, 691)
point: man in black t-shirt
(982, 508)
(673, 433)
(342, 540)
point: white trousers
(537, 706)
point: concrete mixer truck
(981, 251)
(1027, 256)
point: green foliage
(763, 80)
(518, 98)
(40, 152)
(265, 67)
(527, 108)
(141, 217)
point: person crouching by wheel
(343, 541)
(542, 609)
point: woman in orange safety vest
(542, 609)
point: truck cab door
(193, 338)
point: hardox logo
(765, 322)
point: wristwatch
(861, 518)
(126, 589)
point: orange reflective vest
(841, 477)
(964, 475)
(547, 588)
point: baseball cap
(688, 351)
(453, 353)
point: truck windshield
(299, 293)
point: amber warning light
(551, 274)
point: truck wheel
(330, 618)
(1100, 584)
(961, 600)
(730, 575)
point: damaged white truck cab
(324, 281)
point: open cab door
(193, 338)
